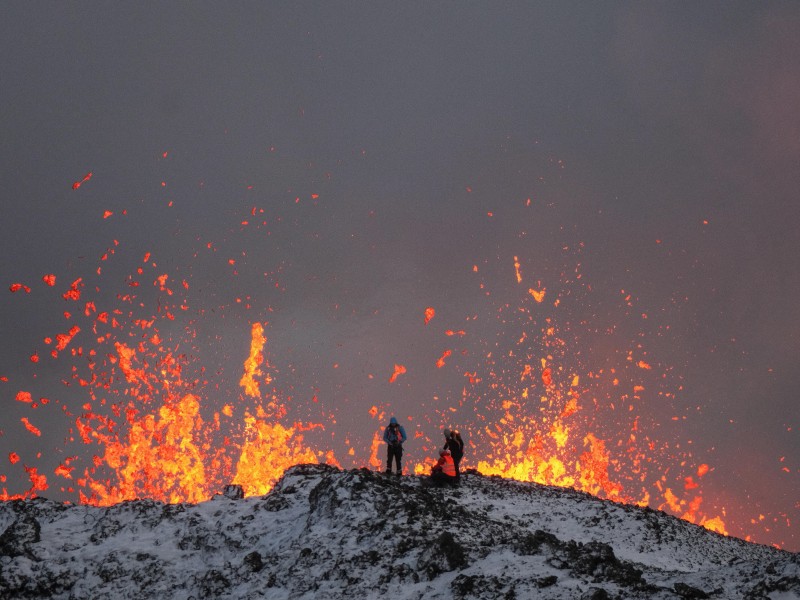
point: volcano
(326, 532)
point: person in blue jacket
(394, 435)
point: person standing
(454, 443)
(394, 435)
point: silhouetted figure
(394, 435)
(454, 443)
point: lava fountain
(156, 421)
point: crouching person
(444, 471)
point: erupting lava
(154, 437)
(168, 452)
(155, 424)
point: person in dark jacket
(394, 435)
(454, 443)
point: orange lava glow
(252, 366)
(78, 184)
(154, 436)
(156, 419)
(398, 370)
(269, 449)
(547, 429)
(538, 295)
(30, 427)
(160, 445)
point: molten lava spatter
(268, 447)
(78, 184)
(151, 435)
(147, 423)
(252, 365)
(543, 424)
(398, 370)
(157, 420)
(268, 450)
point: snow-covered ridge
(323, 532)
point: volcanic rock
(324, 532)
(19, 537)
(233, 491)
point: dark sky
(400, 156)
